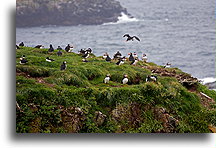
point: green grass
(81, 85)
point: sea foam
(123, 18)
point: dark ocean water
(180, 32)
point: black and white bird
(135, 55)
(39, 46)
(120, 62)
(23, 60)
(17, 47)
(51, 49)
(105, 55)
(69, 48)
(21, 44)
(134, 62)
(107, 79)
(151, 78)
(89, 50)
(63, 66)
(131, 58)
(59, 48)
(117, 55)
(86, 55)
(59, 53)
(49, 60)
(144, 57)
(125, 79)
(167, 65)
(131, 37)
(108, 59)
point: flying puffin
(21, 44)
(125, 79)
(131, 37)
(49, 60)
(107, 78)
(131, 58)
(51, 49)
(63, 66)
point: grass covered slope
(77, 100)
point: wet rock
(66, 12)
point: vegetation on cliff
(76, 99)
(66, 12)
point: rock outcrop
(66, 12)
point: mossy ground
(41, 88)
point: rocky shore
(31, 13)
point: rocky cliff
(66, 12)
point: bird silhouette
(131, 37)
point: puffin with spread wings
(131, 37)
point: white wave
(123, 18)
(208, 80)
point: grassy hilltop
(77, 100)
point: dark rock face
(66, 12)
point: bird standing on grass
(21, 44)
(39, 46)
(144, 57)
(51, 49)
(120, 62)
(167, 65)
(131, 58)
(151, 78)
(125, 79)
(23, 60)
(107, 78)
(108, 59)
(59, 53)
(63, 66)
(134, 62)
(131, 37)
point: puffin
(144, 57)
(59, 53)
(39, 46)
(167, 65)
(51, 49)
(151, 78)
(63, 66)
(134, 62)
(108, 59)
(59, 48)
(117, 55)
(17, 47)
(135, 55)
(131, 37)
(125, 79)
(89, 50)
(131, 58)
(23, 60)
(49, 60)
(107, 78)
(105, 55)
(86, 55)
(21, 44)
(120, 62)
(69, 48)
